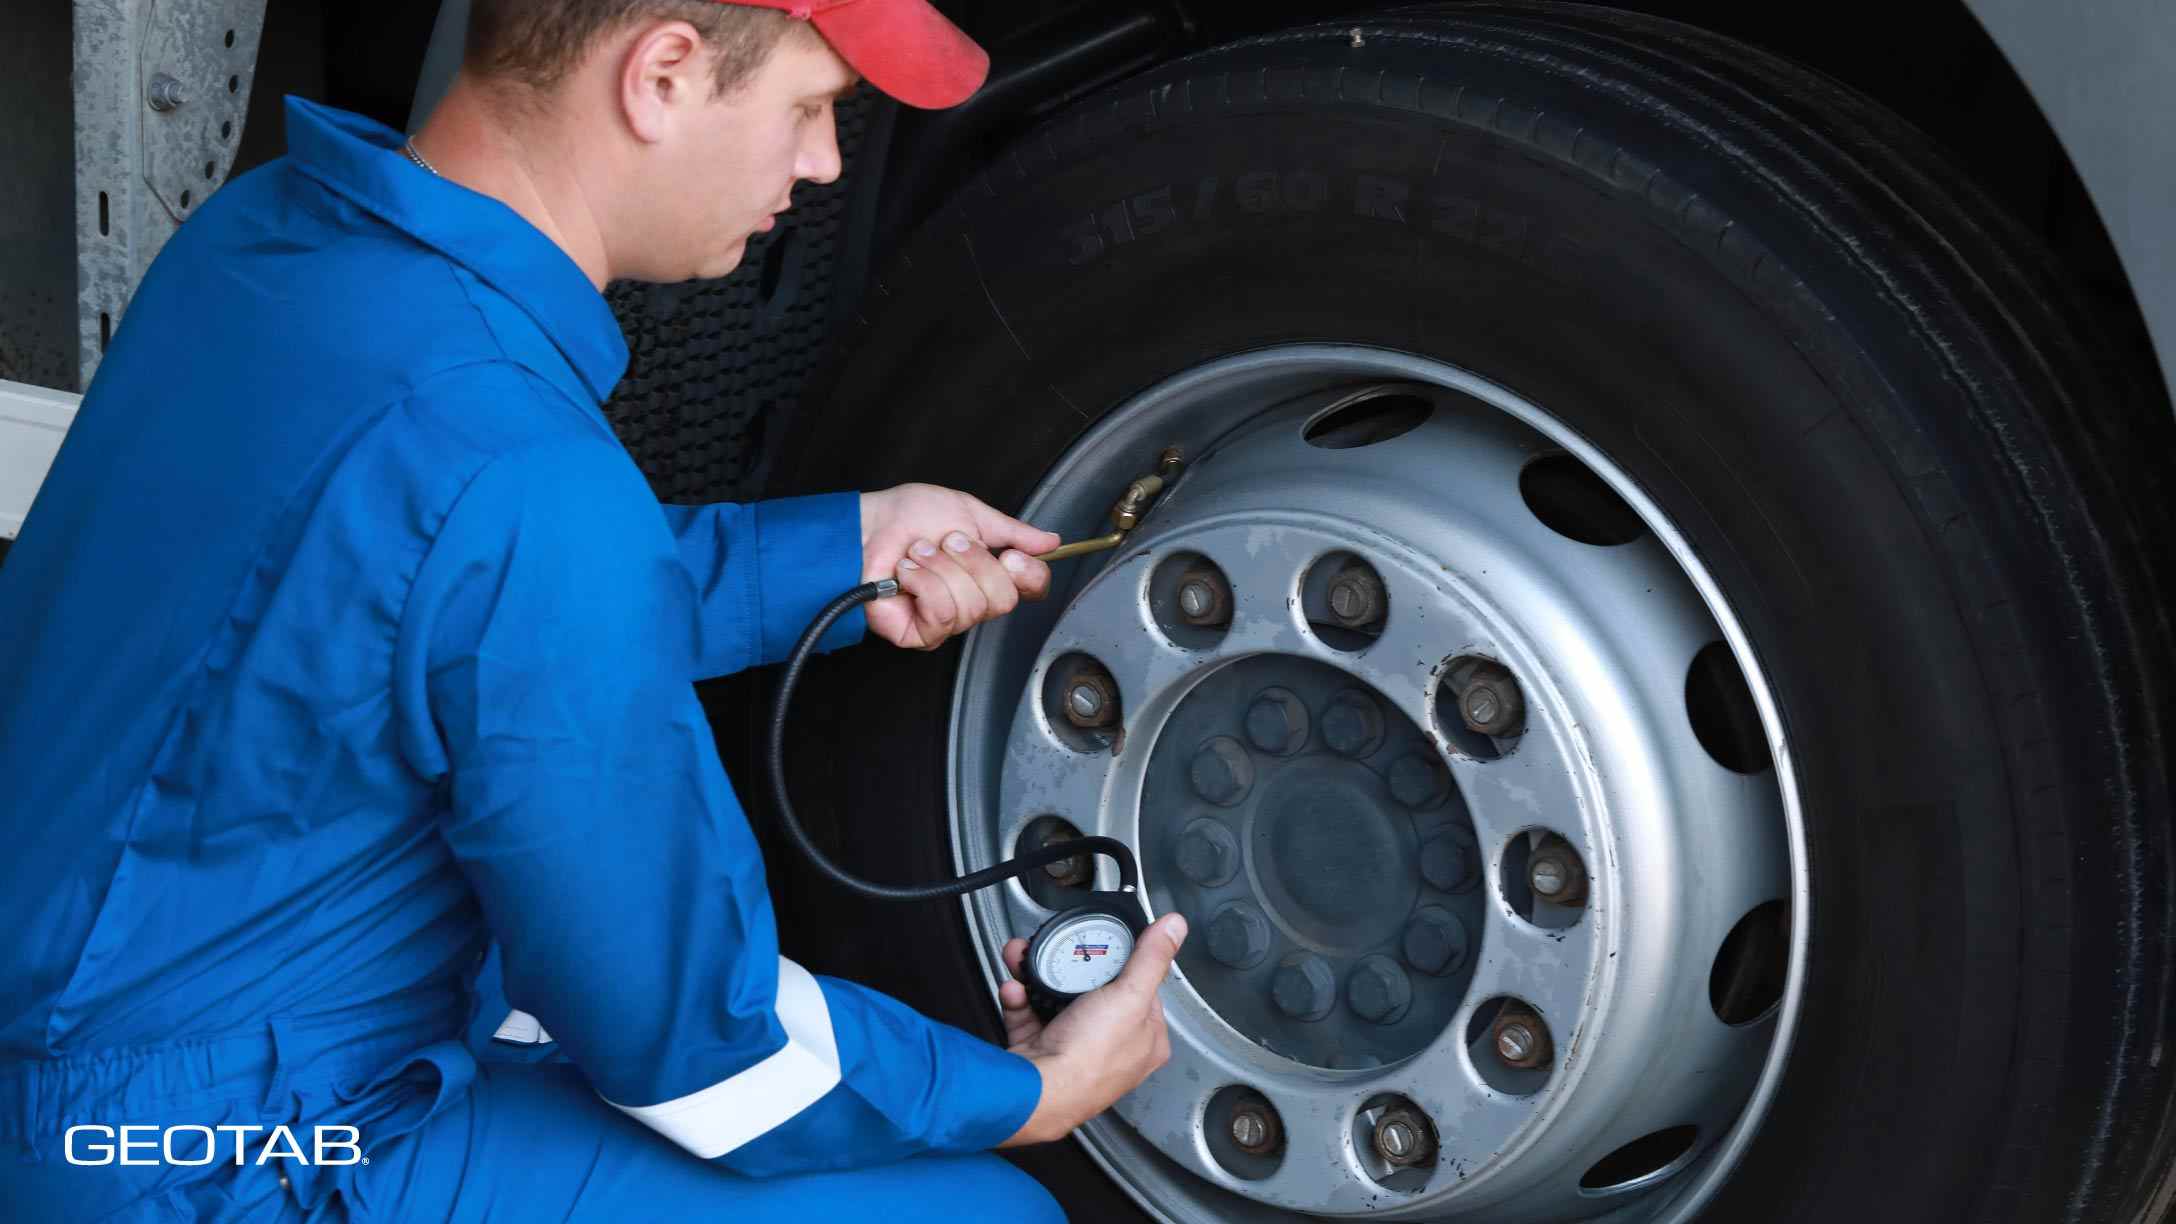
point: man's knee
(1014, 1197)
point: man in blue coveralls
(344, 639)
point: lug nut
(1417, 781)
(1068, 872)
(1402, 1137)
(1520, 1038)
(1303, 987)
(1491, 702)
(1447, 863)
(1221, 771)
(1208, 853)
(1204, 597)
(1356, 596)
(1277, 722)
(165, 93)
(1352, 725)
(1091, 698)
(1556, 875)
(1255, 1128)
(1238, 935)
(1379, 991)
(1435, 941)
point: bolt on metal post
(165, 93)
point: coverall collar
(359, 159)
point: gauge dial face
(1084, 953)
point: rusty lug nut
(1356, 597)
(1208, 853)
(1204, 597)
(1091, 698)
(1303, 987)
(1221, 771)
(1418, 781)
(1352, 725)
(1447, 863)
(1491, 703)
(1435, 941)
(1403, 1138)
(1520, 1038)
(165, 93)
(1556, 875)
(1378, 990)
(1238, 935)
(1255, 1128)
(1276, 722)
(1068, 872)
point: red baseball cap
(904, 47)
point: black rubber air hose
(1128, 873)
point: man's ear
(663, 71)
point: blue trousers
(532, 1142)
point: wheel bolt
(1221, 771)
(1204, 597)
(1379, 991)
(1417, 781)
(1255, 1128)
(1304, 987)
(1404, 1138)
(1068, 872)
(1352, 725)
(1208, 853)
(1356, 596)
(1555, 873)
(1277, 722)
(1491, 703)
(1520, 1038)
(1091, 698)
(1435, 941)
(1238, 935)
(1446, 862)
(1515, 1042)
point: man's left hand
(958, 562)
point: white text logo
(92, 1144)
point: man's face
(736, 157)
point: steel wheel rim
(1191, 408)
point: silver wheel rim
(1599, 638)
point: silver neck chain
(416, 155)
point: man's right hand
(1102, 1045)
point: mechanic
(344, 639)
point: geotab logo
(193, 1146)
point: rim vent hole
(1365, 421)
(1573, 502)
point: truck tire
(1913, 471)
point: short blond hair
(538, 42)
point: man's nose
(819, 161)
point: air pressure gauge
(1080, 949)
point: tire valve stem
(1132, 506)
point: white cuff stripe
(741, 1107)
(521, 1028)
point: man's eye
(812, 112)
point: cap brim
(907, 49)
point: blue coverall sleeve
(763, 569)
(545, 658)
